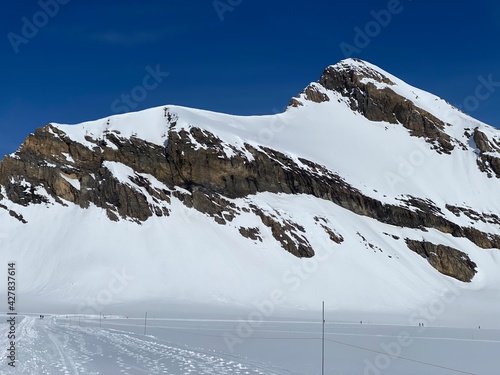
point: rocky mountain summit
(416, 178)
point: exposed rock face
(50, 160)
(474, 215)
(445, 259)
(252, 233)
(289, 234)
(488, 162)
(13, 213)
(311, 93)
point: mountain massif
(366, 192)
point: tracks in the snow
(144, 354)
(66, 360)
(46, 347)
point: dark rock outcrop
(252, 233)
(445, 259)
(49, 160)
(311, 93)
(289, 234)
(474, 215)
(486, 161)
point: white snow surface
(84, 345)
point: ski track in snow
(46, 347)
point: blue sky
(74, 61)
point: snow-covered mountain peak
(350, 75)
(394, 184)
(363, 68)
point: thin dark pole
(323, 343)
(145, 320)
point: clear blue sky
(245, 57)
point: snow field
(63, 344)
